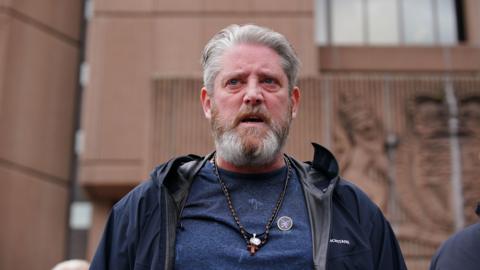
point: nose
(253, 95)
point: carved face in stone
(470, 116)
(430, 117)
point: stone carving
(469, 122)
(469, 116)
(424, 169)
(424, 166)
(359, 143)
(422, 208)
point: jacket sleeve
(118, 246)
(112, 252)
(132, 238)
(386, 251)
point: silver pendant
(285, 223)
(254, 240)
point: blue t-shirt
(210, 239)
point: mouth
(252, 118)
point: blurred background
(94, 93)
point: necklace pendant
(252, 249)
(254, 244)
(255, 241)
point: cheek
(222, 114)
(225, 113)
(280, 108)
(228, 105)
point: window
(388, 22)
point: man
(247, 205)
(460, 251)
(72, 265)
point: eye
(270, 84)
(233, 82)
(268, 81)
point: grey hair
(247, 34)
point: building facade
(392, 87)
(40, 48)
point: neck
(277, 163)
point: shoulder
(360, 235)
(371, 240)
(144, 198)
(468, 236)
(356, 202)
(460, 250)
(133, 226)
(321, 177)
(122, 230)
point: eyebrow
(260, 73)
(269, 74)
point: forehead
(250, 58)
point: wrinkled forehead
(248, 58)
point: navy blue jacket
(348, 230)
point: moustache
(252, 114)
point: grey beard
(229, 147)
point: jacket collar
(318, 173)
(318, 177)
(324, 161)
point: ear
(295, 99)
(206, 103)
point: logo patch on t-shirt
(285, 223)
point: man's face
(250, 110)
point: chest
(210, 237)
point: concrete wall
(39, 51)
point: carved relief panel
(394, 139)
(360, 137)
(469, 130)
(426, 156)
